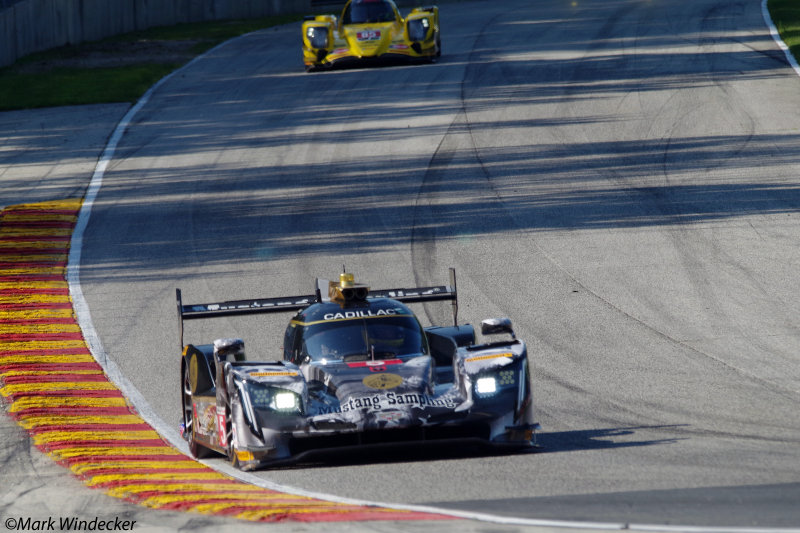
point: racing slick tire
(230, 449)
(197, 450)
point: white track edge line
(776, 36)
(170, 434)
(144, 409)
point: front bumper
(475, 431)
(343, 58)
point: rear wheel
(197, 450)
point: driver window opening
(382, 338)
(368, 12)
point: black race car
(357, 369)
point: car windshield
(364, 338)
(366, 12)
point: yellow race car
(368, 30)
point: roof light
(347, 290)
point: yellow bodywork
(329, 40)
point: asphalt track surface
(616, 177)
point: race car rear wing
(295, 303)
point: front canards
(368, 30)
(357, 368)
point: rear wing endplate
(296, 303)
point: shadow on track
(560, 441)
(597, 439)
(272, 207)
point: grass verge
(786, 17)
(78, 74)
(76, 86)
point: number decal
(368, 35)
(221, 429)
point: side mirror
(495, 326)
(229, 350)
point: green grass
(21, 88)
(64, 86)
(217, 31)
(786, 16)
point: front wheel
(231, 450)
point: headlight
(261, 396)
(285, 401)
(418, 29)
(317, 36)
(486, 386)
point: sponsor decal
(383, 381)
(389, 401)
(272, 374)
(368, 35)
(399, 47)
(485, 357)
(204, 424)
(361, 313)
(391, 418)
(376, 366)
